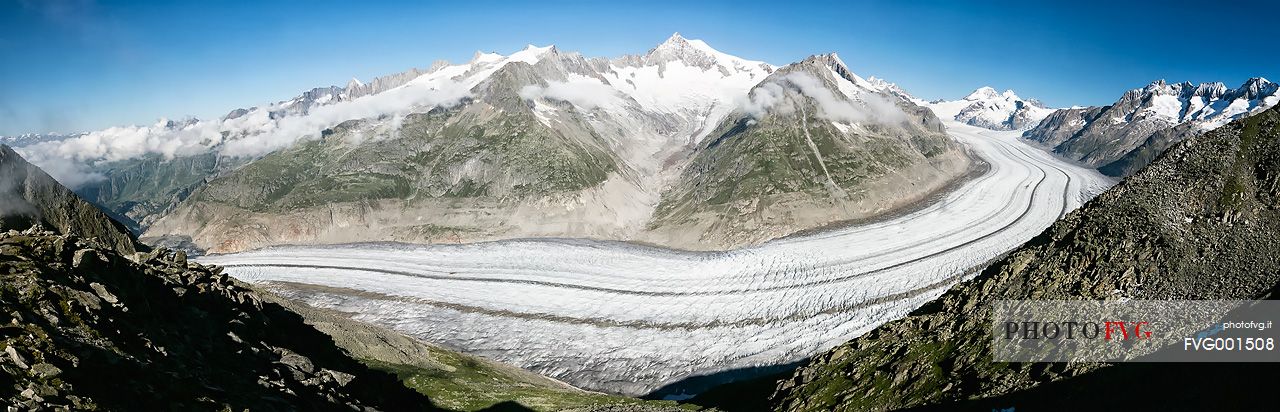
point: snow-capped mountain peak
(1121, 138)
(675, 42)
(982, 93)
(1208, 104)
(841, 70)
(531, 54)
(694, 53)
(986, 107)
(990, 93)
(1257, 87)
(678, 44)
(485, 57)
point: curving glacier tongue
(629, 319)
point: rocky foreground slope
(87, 328)
(1200, 223)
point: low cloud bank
(865, 107)
(11, 201)
(290, 129)
(584, 92)
(257, 133)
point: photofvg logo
(1106, 330)
(1123, 331)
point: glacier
(628, 319)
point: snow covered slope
(629, 319)
(993, 110)
(1122, 138)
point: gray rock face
(1122, 138)
(29, 196)
(1199, 223)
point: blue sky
(72, 65)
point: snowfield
(629, 319)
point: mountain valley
(676, 230)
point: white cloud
(253, 134)
(287, 130)
(585, 92)
(866, 107)
(70, 173)
(11, 200)
(763, 98)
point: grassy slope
(454, 380)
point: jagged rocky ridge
(87, 328)
(1198, 223)
(1123, 137)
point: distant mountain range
(683, 146)
(28, 139)
(1121, 138)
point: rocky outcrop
(86, 328)
(29, 196)
(1198, 223)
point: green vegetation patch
(475, 386)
